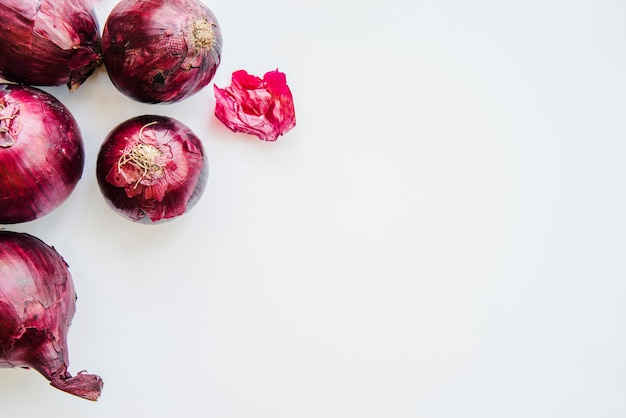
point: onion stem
(144, 127)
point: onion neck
(41, 350)
(83, 63)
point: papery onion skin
(37, 304)
(151, 169)
(42, 153)
(49, 42)
(161, 51)
(262, 107)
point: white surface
(441, 236)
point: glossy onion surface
(49, 42)
(41, 153)
(37, 304)
(161, 51)
(151, 168)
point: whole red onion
(160, 51)
(37, 304)
(48, 42)
(151, 168)
(41, 153)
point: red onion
(151, 168)
(160, 51)
(261, 107)
(48, 42)
(41, 153)
(37, 304)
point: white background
(441, 236)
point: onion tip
(83, 385)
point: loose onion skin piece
(37, 304)
(49, 42)
(161, 51)
(41, 153)
(256, 106)
(151, 169)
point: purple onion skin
(41, 153)
(151, 169)
(49, 42)
(37, 304)
(161, 51)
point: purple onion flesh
(41, 153)
(49, 42)
(37, 304)
(161, 51)
(151, 169)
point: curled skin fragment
(261, 107)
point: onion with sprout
(151, 168)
